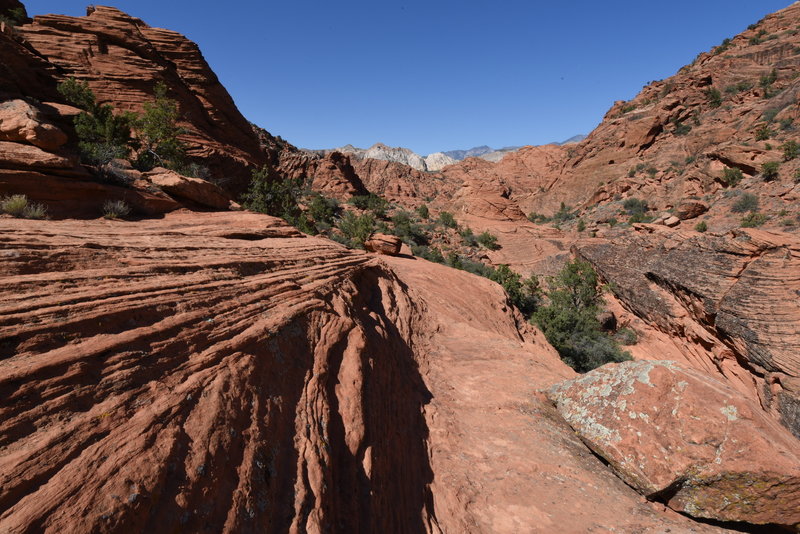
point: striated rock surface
(727, 303)
(681, 437)
(21, 122)
(192, 189)
(122, 59)
(223, 372)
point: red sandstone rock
(680, 436)
(383, 244)
(21, 122)
(691, 210)
(192, 189)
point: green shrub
(790, 150)
(769, 170)
(102, 135)
(732, 176)
(702, 226)
(767, 80)
(569, 320)
(488, 240)
(356, 228)
(637, 210)
(428, 253)
(406, 229)
(14, 16)
(581, 226)
(681, 129)
(157, 133)
(34, 211)
(423, 212)
(763, 133)
(797, 176)
(469, 238)
(612, 222)
(269, 193)
(377, 204)
(538, 218)
(565, 213)
(14, 205)
(753, 220)
(322, 209)
(739, 87)
(447, 219)
(626, 336)
(116, 209)
(746, 202)
(714, 97)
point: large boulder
(681, 437)
(383, 244)
(192, 189)
(21, 122)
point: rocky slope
(224, 373)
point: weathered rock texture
(123, 59)
(727, 303)
(681, 437)
(383, 244)
(221, 372)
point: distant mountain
(477, 151)
(379, 151)
(572, 140)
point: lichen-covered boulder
(686, 439)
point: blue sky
(438, 74)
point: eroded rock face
(122, 59)
(681, 437)
(223, 372)
(20, 121)
(728, 301)
(192, 189)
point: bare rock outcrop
(686, 439)
(223, 372)
(729, 302)
(383, 244)
(194, 190)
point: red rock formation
(383, 244)
(726, 303)
(679, 436)
(223, 372)
(123, 59)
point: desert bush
(271, 194)
(372, 202)
(746, 202)
(763, 133)
(102, 135)
(34, 211)
(565, 213)
(790, 150)
(116, 209)
(468, 236)
(569, 320)
(428, 253)
(714, 97)
(406, 229)
(157, 133)
(14, 205)
(637, 210)
(14, 16)
(423, 211)
(681, 128)
(322, 210)
(487, 240)
(538, 218)
(626, 336)
(581, 225)
(356, 228)
(769, 170)
(447, 219)
(701, 227)
(753, 220)
(732, 176)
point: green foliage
(428, 253)
(770, 169)
(770, 114)
(739, 87)
(612, 222)
(447, 219)
(790, 150)
(753, 220)
(732, 176)
(626, 336)
(767, 80)
(637, 210)
(565, 213)
(34, 211)
(523, 294)
(581, 225)
(102, 135)
(269, 193)
(14, 205)
(322, 210)
(714, 97)
(406, 229)
(423, 211)
(726, 44)
(701, 227)
(469, 238)
(797, 176)
(14, 16)
(116, 209)
(538, 218)
(746, 202)
(763, 133)
(569, 320)
(356, 228)
(372, 202)
(487, 240)
(157, 132)
(681, 129)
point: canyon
(203, 368)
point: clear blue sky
(436, 75)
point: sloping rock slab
(686, 439)
(193, 189)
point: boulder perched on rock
(383, 244)
(691, 209)
(192, 189)
(686, 439)
(21, 122)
